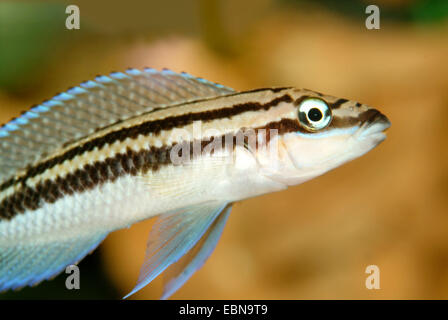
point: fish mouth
(374, 125)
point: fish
(144, 143)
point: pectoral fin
(178, 273)
(175, 234)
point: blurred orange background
(313, 241)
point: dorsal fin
(93, 104)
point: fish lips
(374, 126)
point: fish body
(140, 144)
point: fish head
(324, 132)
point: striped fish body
(185, 160)
(131, 178)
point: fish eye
(314, 114)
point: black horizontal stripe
(338, 103)
(83, 179)
(95, 174)
(273, 90)
(345, 122)
(146, 128)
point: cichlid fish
(134, 145)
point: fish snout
(373, 123)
